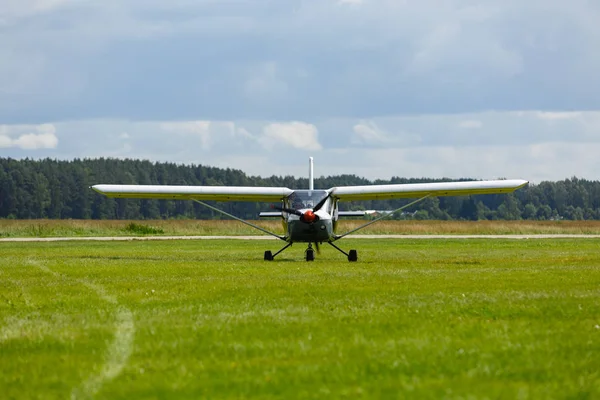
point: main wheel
(310, 255)
(268, 255)
(352, 256)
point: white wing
(217, 193)
(270, 214)
(411, 190)
(362, 213)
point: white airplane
(310, 216)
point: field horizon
(10, 228)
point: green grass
(209, 319)
(86, 228)
(141, 229)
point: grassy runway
(412, 319)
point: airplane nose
(309, 216)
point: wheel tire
(310, 255)
(268, 255)
(352, 256)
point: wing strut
(241, 220)
(338, 237)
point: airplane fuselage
(318, 231)
(298, 229)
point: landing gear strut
(352, 254)
(270, 256)
(309, 254)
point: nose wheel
(309, 254)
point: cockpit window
(305, 198)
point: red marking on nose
(309, 216)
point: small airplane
(310, 216)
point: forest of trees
(61, 189)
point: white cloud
(294, 60)
(200, 129)
(243, 133)
(5, 142)
(470, 124)
(22, 8)
(537, 162)
(507, 144)
(299, 135)
(453, 42)
(265, 83)
(32, 141)
(549, 115)
(43, 138)
(194, 127)
(351, 2)
(369, 132)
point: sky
(376, 88)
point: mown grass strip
(413, 318)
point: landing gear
(352, 255)
(270, 256)
(309, 254)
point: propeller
(308, 216)
(321, 202)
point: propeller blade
(288, 210)
(321, 202)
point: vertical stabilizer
(311, 182)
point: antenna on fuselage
(311, 183)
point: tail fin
(311, 182)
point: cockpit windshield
(306, 198)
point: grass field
(83, 228)
(513, 319)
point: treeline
(61, 190)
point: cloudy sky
(376, 88)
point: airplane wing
(217, 193)
(279, 214)
(362, 213)
(270, 214)
(412, 190)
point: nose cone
(309, 216)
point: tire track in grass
(118, 352)
(14, 326)
(25, 296)
(116, 357)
